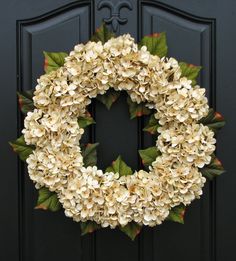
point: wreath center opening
(117, 134)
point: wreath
(65, 172)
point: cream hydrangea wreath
(90, 194)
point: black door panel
(198, 32)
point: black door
(198, 32)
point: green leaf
(21, 148)
(177, 214)
(149, 155)
(119, 166)
(213, 169)
(88, 227)
(102, 34)
(190, 71)
(25, 100)
(214, 120)
(152, 125)
(137, 110)
(108, 98)
(48, 200)
(132, 229)
(89, 154)
(207, 119)
(53, 60)
(156, 44)
(85, 121)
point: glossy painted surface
(198, 32)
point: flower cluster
(110, 201)
(88, 193)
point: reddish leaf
(215, 168)
(137, 110)
(177, 214)
(132, 229)
(88, 227)
(214, 120)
